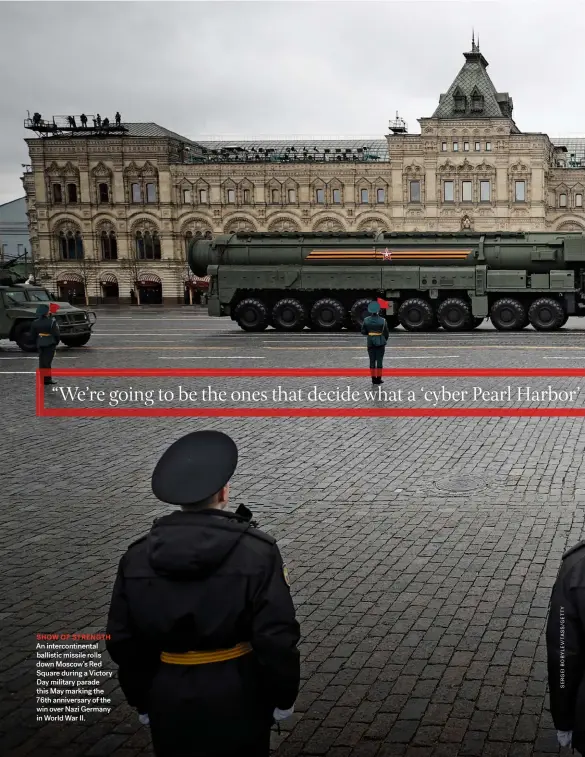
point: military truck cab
(18, 305)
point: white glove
(144, 719)
(279, 715)
(565, 737)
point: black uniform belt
(203, 658)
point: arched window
(189, 237)
(103, 192)
(274, 197)
(562, 200)
(147, 245)
(109, 245)
(71, 245)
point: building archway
(149, 288)
(110, 289)
(71, 288)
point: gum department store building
(112, 207)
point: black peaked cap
(194, 468)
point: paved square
(421, 551)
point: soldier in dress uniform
(565, 642)
(376, 329)
(201, 621)
(45, 331)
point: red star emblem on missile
(387, 254)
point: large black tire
(454, 314)
(416, 315)
(546, 314)
(289, 315)
(359, 310)
(565, 319)
(508, 314)
(24, 338)
(392, 321)
(328, 315)
(477, 321)
(251, 314)
(76, 341)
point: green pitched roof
(473, 79)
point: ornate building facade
(112, 211)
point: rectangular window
(562, 200)
(466, 147)
(455, 146)
(231, 195)
(202, 195)
(337, 196)
(443, 147)
(320, 196)
(274, 196)
(72, 193)
(448, 191)
(104, 192)
(292, 195)
(150, 193)
(520, 191)
(466, 191)
(246, 196)
(364, 196)
(485, 194)
(187, 196)
(57, 194)
(381, 195)
(415, 191)
(136, 193)
(579, 201)
(477, 146)
(488, 146)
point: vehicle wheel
(76, 341)
(565, 319)
(359, 310)
(288, 315)
(546, 314)
(454, 314)
(328, 315)
(392, 321)
(477, 321)
(416, 315)
(508, 315)
(251, 314)
(24, 338)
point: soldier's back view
(201, 620)
(565, 641)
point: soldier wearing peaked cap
(201, 621)
(565, 642)
(376, 329)
(45, 331)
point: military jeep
(18, 305)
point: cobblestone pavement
(421, 551)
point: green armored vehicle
(430, 280)
(18, 304)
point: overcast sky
(257, 69)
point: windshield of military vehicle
(38, 295)
(16, 298)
